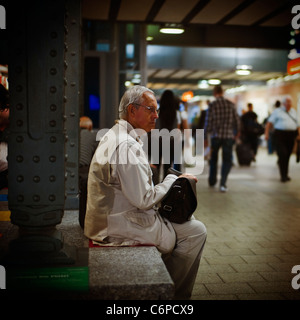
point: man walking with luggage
(222, 124)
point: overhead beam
(197, 8)
(287, 5)
(245, 4)
(114, 9)
(154, 10)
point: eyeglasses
(151, 109)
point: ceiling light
(136, 80)
(244, 66)
(171, 28)
(243, 69)
(214, 82)
(243, 72)
(203, 84)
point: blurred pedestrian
(168, 119)
(203, 115)
(271, 143)
(287, 129)
(183, 125)
(251, 130)
(222, 124)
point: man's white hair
(284, 100)
(132, 96)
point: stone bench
(131, 273)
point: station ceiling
(264, 25)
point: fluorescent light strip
(171, 30)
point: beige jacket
(121, 196)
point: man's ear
(131, 109)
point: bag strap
(295, 120)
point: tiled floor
(253, 233)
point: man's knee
(201, 231)
(198, 227)
(191, 237)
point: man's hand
(188, 175)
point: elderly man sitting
(121, 204)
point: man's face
(144, 115)
(288, 104)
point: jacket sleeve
(136, 183)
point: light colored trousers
(183, 262)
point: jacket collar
(134, 133)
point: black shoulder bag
(180, 201)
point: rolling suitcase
(244, 154)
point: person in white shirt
(122, 199)
(286, 126)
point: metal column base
(33, 248)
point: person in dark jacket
(251, 130)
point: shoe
(286, 179)
(223, 189)
(211, 184)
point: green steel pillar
(43, 144)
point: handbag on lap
(180, 201)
